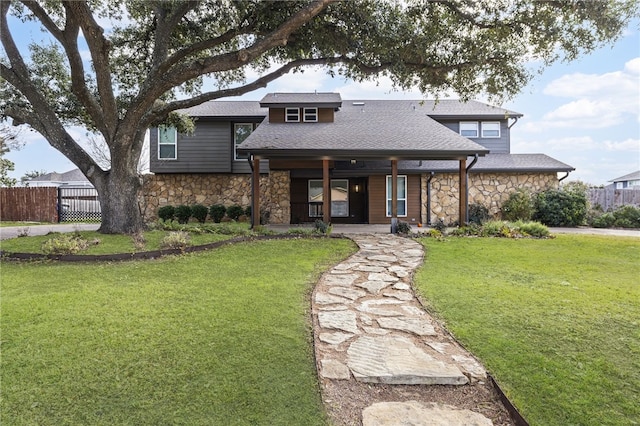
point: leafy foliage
(66, 244)
(183, 213)
(622, 217)
(478, 213)
(235, 211)
(518, 206)
(217, 212)
(176, 240)
(199, 212)
(403, 227)
(166, 213)
(561, 207)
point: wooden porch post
(463, 193)
(326, 192)
(394, 196)
(255, 196)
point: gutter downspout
(466, 177)
(515, 120)
(564, 177)
(431, 175)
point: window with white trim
(310, 115)
(292, 115)
(339, 198)
(490, 129)
(469, 129)
(402, 196)
(167, 143)
(241, 131)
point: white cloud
(600, 100)
(630, 145)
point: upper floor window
(490, 129)
(241, 131)
(292, 115)
(469, 129)
(167, 143)
(310, 115)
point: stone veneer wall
(207, 189)
(488, 189)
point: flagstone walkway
(370, 328)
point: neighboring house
(71, 179)
(304, 148)
(630, 181)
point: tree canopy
(149, 59)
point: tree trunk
(118, 193)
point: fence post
(59, 205)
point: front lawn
(557, 321)
(219, 337)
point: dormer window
(292, 115)
(310, 115)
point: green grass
(557, 321)
(219, 337)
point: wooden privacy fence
(29, 204)
(611, 198)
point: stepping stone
(328, 299)
(439, 347)
(415, 413)
(343, 280)
(332, 369)
(397, 361)
(413, 252)
(339, 320)
(374, 286)
(402, 286)
(369, 268)
(418, 326)
(471, 366)
(400, 295)
(383, 307)
(335, 338)
(375, 276)
(383, 258)
(349, 293)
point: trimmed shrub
(217, 212)
(247, 211)
(183, 213)
(518, 206)
(558, 207)
(478, 214)
(199, 212)
(235, 211)
(403, 227)
(166, 213)
(622, 217)
(534, 229)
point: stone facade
(208, 189)
(488, 189)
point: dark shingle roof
(448, 108)
(372, 128)
(227, 109)
(631, 176)
(74, 175)
(524, 163)
(302, 99)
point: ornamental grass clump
(66, 244)
(176, 240)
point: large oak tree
(162, 56)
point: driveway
(14, 231)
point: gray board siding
(501, 145)
(208, 150)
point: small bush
(440, 226)
(534, 229)
(234, 212)
(64, 244)
(322, 227)
(199, 212)
(139, 241)
(247, 211)
(166, 213)
(518, 206)
(605, 220)
(403, 227)
(176, 240)
(217, 212)
(622, 217)
(561, 207)
(183, 213)
(478, 214)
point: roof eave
(313, 154)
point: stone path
(370, 328)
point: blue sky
(585, 113)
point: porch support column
(255, 193)
(326, 192)
(463, 193)
(394, 196)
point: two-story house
(308, 156)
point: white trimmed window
(292, 115)
(490, 129)
(241, 131)
(469, 129)
(339, 198)
(402, 196)
(167, 143)
(310, 115)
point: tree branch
(164, 28)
